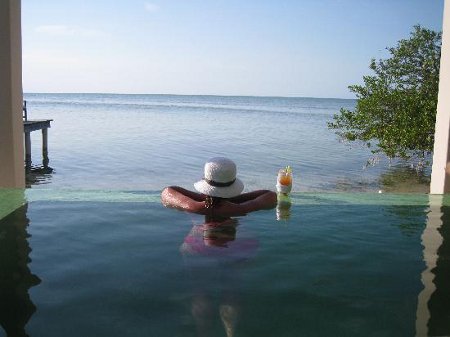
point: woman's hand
(244, 204)
(227, 208)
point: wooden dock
(35, 125)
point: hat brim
(222, 192)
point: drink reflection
(213, 253)
(16, 307)
(283, 209)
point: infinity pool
(109, 263)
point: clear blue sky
(313, 48)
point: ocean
(146, 142)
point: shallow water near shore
(117, 263)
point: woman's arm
(249, 196)
(250, 202)
(265, 200)
(184, 200)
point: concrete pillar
(440, 176)
(12, 172)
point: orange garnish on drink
(285, 180)
(285, 176)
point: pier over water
(35, 125)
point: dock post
(45, 159)
(27, 151)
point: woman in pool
(212, 251)
(219, 194)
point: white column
(440, 176)
(12, 172)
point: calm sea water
(146, 142)
(117, 263)
(90, 251)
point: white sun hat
(219, 179)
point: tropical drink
(284, 180)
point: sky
(302, 48)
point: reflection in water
(410, 220)
(433, 312)
(439, 304)
(394, 179)
(283, 209)
(38, 176)
(213, 253)
(16, 278)
(404, 179)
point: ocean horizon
(173, 94)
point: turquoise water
(113, 263)
(146, 142)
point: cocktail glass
(284, 180)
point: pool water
(102, 263)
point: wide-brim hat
(220, 179)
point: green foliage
(396, 107)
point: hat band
(218, 184)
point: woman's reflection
(213, 255)
(16, 307)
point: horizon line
(167, 94)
